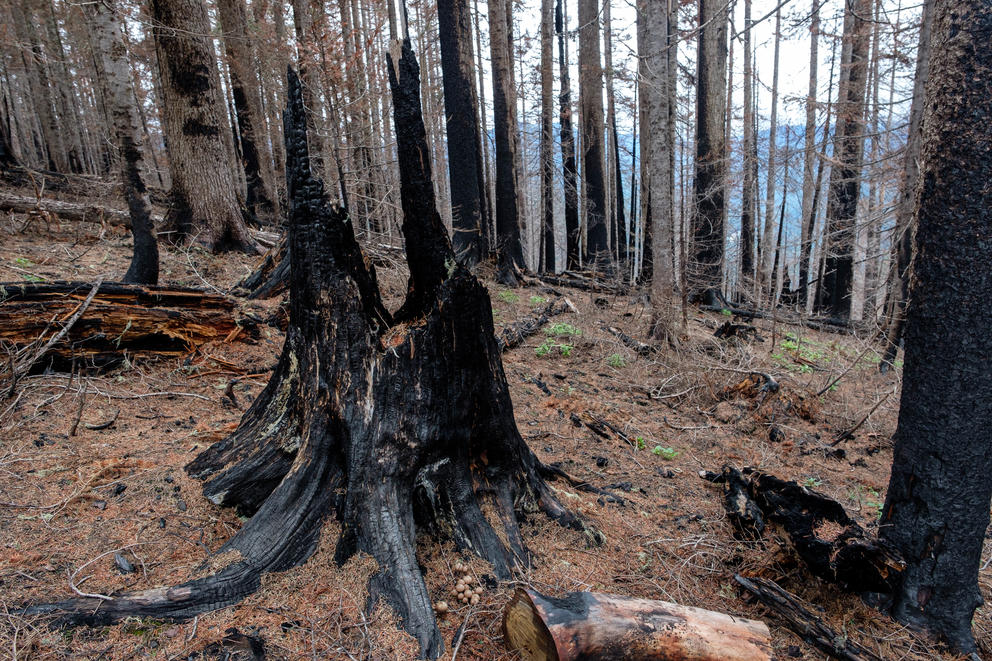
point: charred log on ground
(334, 432)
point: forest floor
(68, 504)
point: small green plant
(507, 296)
(616, 360)
(812, 482)
(537, 300)
(640, 443)
(726, 313)
(547, 347)
(555, 330)
(665, 453)
(23, 261)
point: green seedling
(508, 297)
(665, 453)
(616, 360)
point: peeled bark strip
(332, 434)
(120, 318)
(603, 627)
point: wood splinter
(604, 627)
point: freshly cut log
(605, 627)
(119, 318)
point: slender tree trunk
(653, 31)
(461, 103)
(617, 220)
(806, 238)
(905, 210)
(488, 189)
(509, 248)
(569, 172)
(768, 235)
(747, 149)
(205, 203)
(705, 273)
(937, 505)
(845, 175)
(547, 137)
(256, 157)
(591, 108)
(108, 45)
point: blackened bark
(591, 102)
(108, 45)
(845, 175)
(567, 135)
(255, 154)
(547, 139)
(206, 205)
(432, 455)
(749, 164)
(620, 222)
(937, 505)
(706, 269)
(461, 107)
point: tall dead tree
(434, 455)
(547, 138)
(256, 157)
(108, 45)
(809, 156)
(937, 506)
(567, 138)
(205, 204)
(506, 134)
(905, 225)
(706, 270)
(767, 252)
(749, 165)
(617, 220)
(461, 107)
(657, 101)
(845, 175)
(591, 110)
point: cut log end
(587, 625)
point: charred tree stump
(605, 627)
(118, 318)
(271, 277)
(341, 431)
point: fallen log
(828, 541)
(604, 627)
(825, 324)
(113, 318)
(806, 625)
(74, 211)
(517, 332)
(634, 344)
(271, 277)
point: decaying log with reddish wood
(118, 318)
(605, 627)
(831, 544)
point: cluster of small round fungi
(463, 590)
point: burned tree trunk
(333, 434)
(108, 46)
(937, 505)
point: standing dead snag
(603, 627)
(341, 429)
